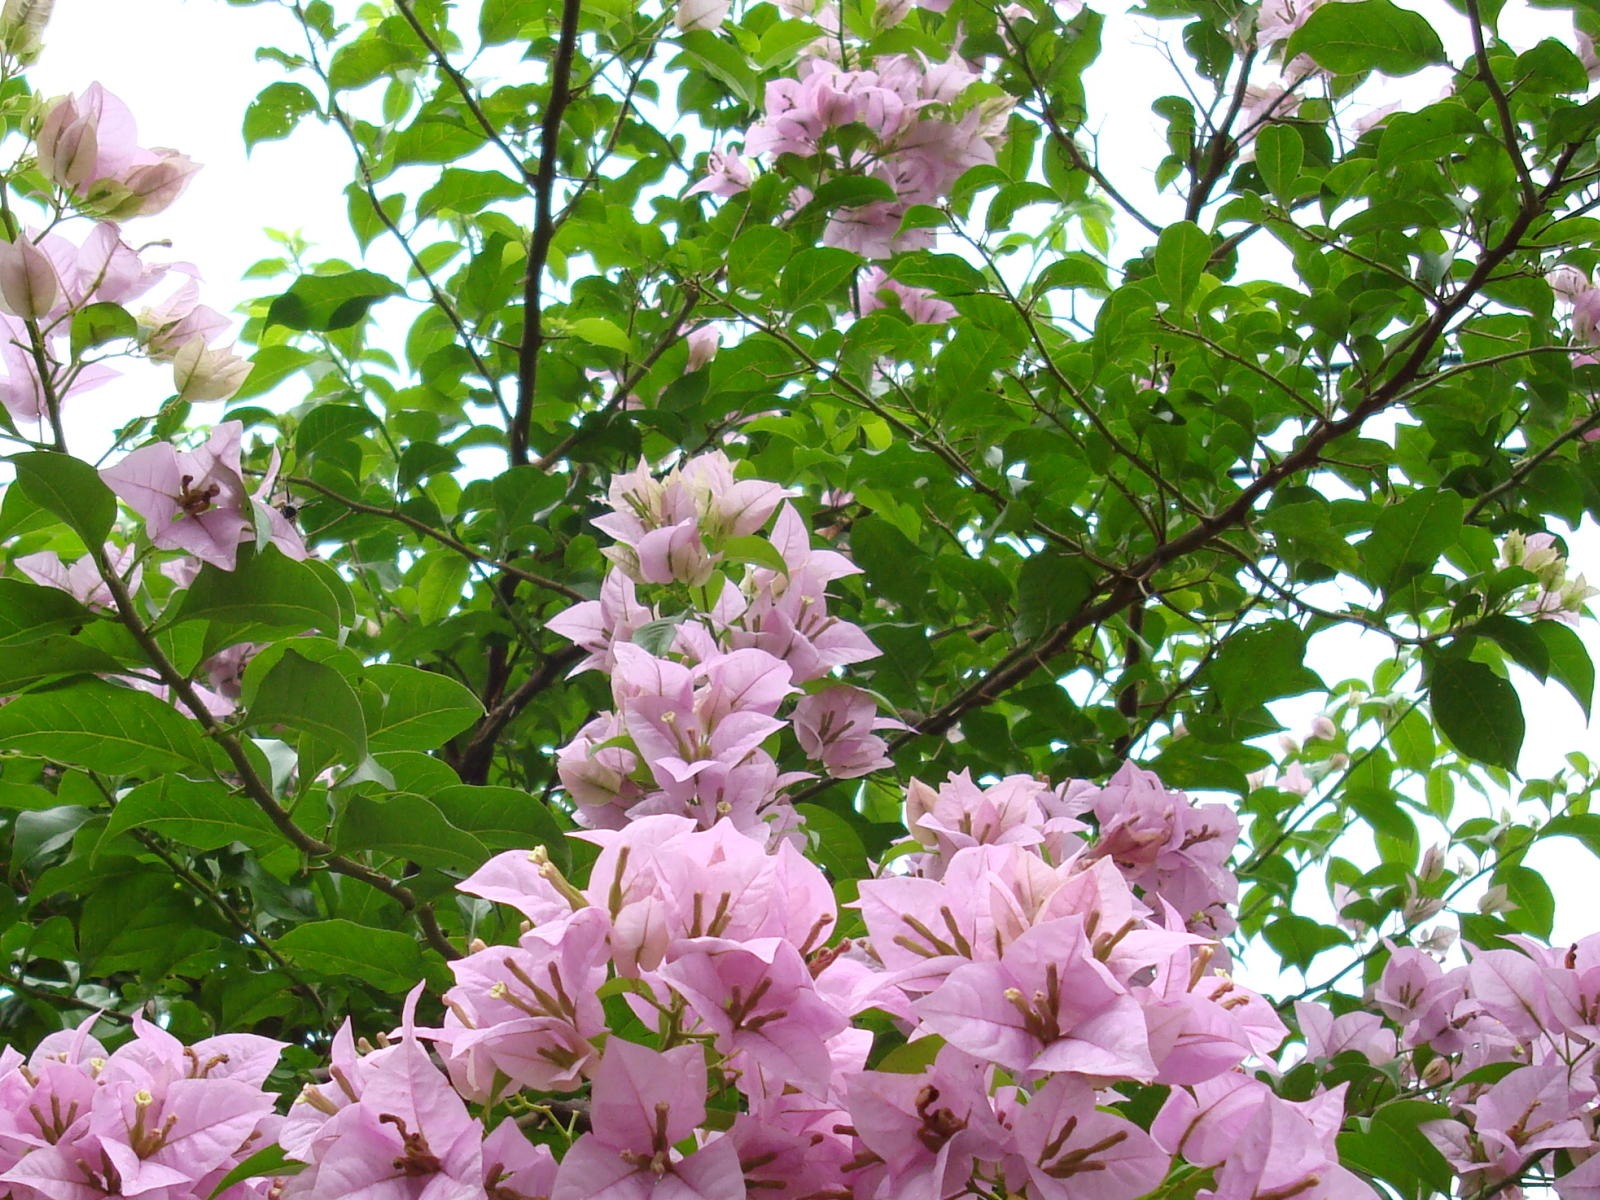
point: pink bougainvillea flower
(29, 286)
(196, 501)
(1048, 1005)
(1068, 1149)
(838, 728)
(88, 145)
(644, 1103)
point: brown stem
(543, 231)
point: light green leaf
(1367, 35)
(275, 112)
(1182, 251)
(69, 488)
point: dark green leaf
(1570, 664)
(326, 302)
(312, 698)
(105, 728)
(1477, 710)
(1426, 135)
(29, 613)
(339, 950)
(1411, 536)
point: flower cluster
(689, 731)
(86, 146)
(389, 1124)
(153, 1118)
(1510, 1040)
(1557, 597)
(694, 991)
(906, 122)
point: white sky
(187, 69)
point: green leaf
(441, 586)
(29, 613)
(97, 324)
(322, 303)
(1050, 587)
(722, 62)
(462, 191)
(1477, 710)
(1570, 664)
(1260, 663)
(1411, 536)
(140, 922)
(836, 847)
(269, 1162)
(409, 827)
(205, 815)
(1526, 888)
(422, 710)
(500, 21)
(504, 818)
(69, 488)
(755, 550)
(370, 57)
(270, 367)
(1367, 35)
(42, 656)
(1426, 135)
(105, 728)
(851, 191)
(339, 950)
(1279, 154)
(1298, 940)
(816, 274)
(275, 112)
(265, 588)
(1391, 1146)
(1182, 251)
(598, 331)
(312, 698)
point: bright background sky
(187, 69)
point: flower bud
(1432, 864)
(200, 373)
(1322, 726)
(146, 189)
(22, 25)
(703, 342)
(700, 14)
(1495, 900)
(1437, 1072)
(28, 285)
